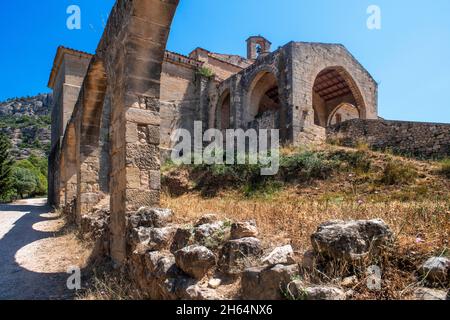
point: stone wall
(430, 140)
(111, 141)
(180, 97)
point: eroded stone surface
(208, 218)
(430, 294)
(280, 255)
(151, 217)
(262, 283)
(299, 291)
(195, 260)
(236, 255)
(436, 269)
(351, 240)
(246, 229)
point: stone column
(135, 122)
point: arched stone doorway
(334, 89)
(223, 116)
(264, 106)
(343, 112)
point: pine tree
(6, 164)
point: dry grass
(291, 216)
(422, 229)
(105, 283)
(417, 210)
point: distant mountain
(27, 123)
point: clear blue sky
(409, 57)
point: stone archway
(334, 87)
(263, 102)
(125, 74)
(223, 111)
(343, 112)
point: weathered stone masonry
(115, 110)
(430, 140)
(125, 74)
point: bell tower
(257, 46)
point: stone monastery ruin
(114, 111)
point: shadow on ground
(16, 233)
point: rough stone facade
(124, 78)
(303, 85)
(114, 111)
(418, 139)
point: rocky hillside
(26, 121)
(403, 199)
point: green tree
(24, 181)
(35, 172)
(40, 163)
(6, 165)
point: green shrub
(307, 166)
(396, 173)
(358, 161)
(24, 181)
(205, 72)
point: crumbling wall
(430, 140)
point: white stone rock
(214, 283)
(351, 240)
(280, 255)
(429, 294)
(436, 269)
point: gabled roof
(60, 53)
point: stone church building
(114, 111)
(300, 88)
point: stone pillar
(69, 165)
(135, 122)
(237, 94)
(88, 186)
(92, 100)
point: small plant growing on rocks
(205, 72)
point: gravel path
(34, 258)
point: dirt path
(34, 254)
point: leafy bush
(37, 171)
(24, 178)
(24, 182)
(205, 72)
(307, 166)
(359, 161)
(396, 173)
(20, 122)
